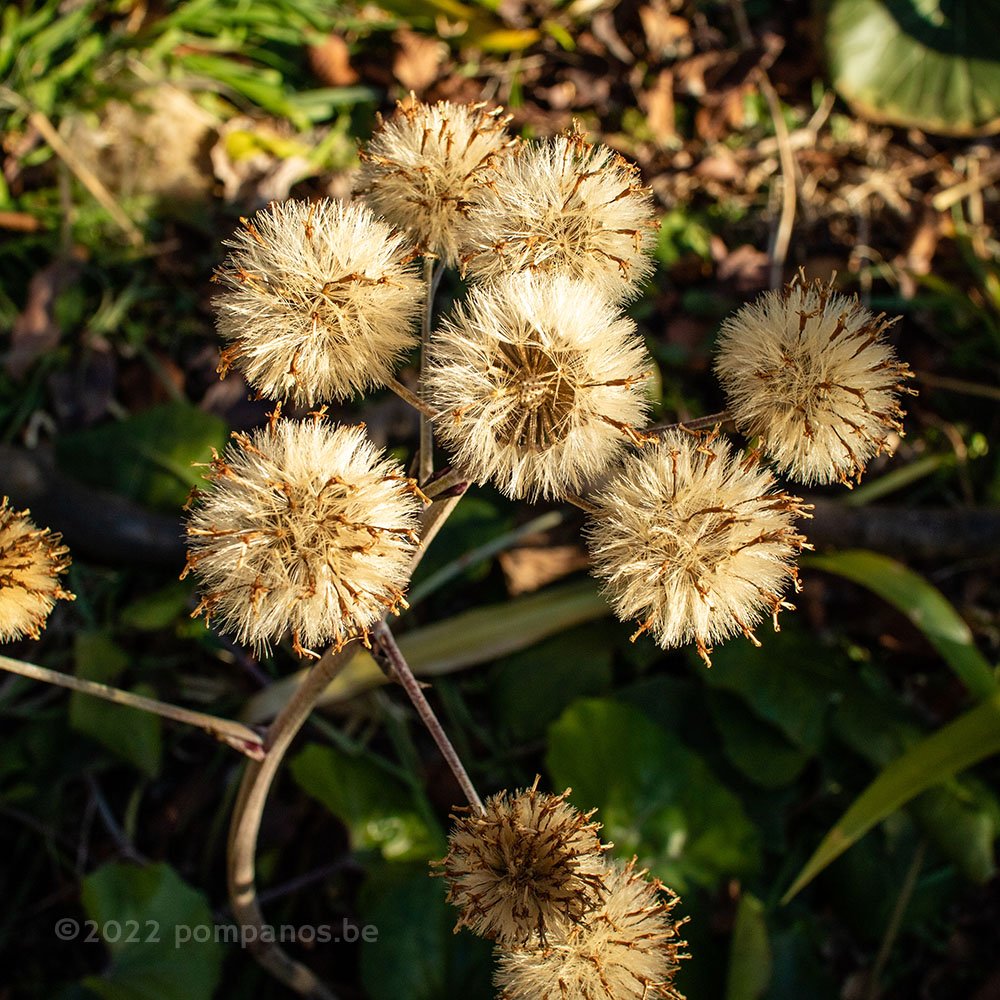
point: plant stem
(248, 812)
(426, 469)
(424, 409)
(238, 736)
(251, 798)
(698, 424)
(384, 639)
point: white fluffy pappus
(319, 300)
(306, 528)
(695, 541)
(538, 384)
(628, 948)
(429, 164)
(561, 205)
(809, 372)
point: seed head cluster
(305, 528)
(809, 372)
(627, 949)
(695, 542)
(319, 300)
(562, 206)
(31, 562)
(529, 866)
(538, 382)
(428, 165)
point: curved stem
(247, 814)
(408, 396)
(386, 643)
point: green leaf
(752, 746)
(128, 732)
(415, 933)
(923, 604)
(932, 64)
(656, 797)
(159, 609)
(477, 636)
(529, 689)
(159, 931)
(380, 812)
(749, 952)
(148, 457)
(960, 744)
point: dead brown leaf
(418, 59)
(21, 222)
(526, 569)
(331, 62)
(667, 35)
(35, 330)
(658, 103)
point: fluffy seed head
(530, 865)
(319, 300)
(564, 206)
(695, 541)
(809, 372)
(429, 164)
(31, 560)
(626, 949)
(538, 383)
(305, 528)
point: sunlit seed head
(810, 373)
(305, 529)
(429, 164)
(628, 948)
(539, 384)
(319, 300)
(695, 542)
(31, 562)
(563, 206)
(530, 865)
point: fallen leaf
(528, 568)
(418, 59)
(331, 62)
(35, 330)
(659, 106)
(667, 35)
(21, 222)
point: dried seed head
(564, 206)
(809, 372)
(31, 560)
(304, 528)
(530, 865)
(319, 301)
(538, 383)
(695, 541)
(429, 164)
(626, 949)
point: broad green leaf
(147, 457)
(923, 604)
(656, 797)
(933, 64)
(749, 952)
(129, 732)
(416, 934)
(753, 746)
(158, 609)
(380, 811)
(159, 931)
(478, 636)
(529, 689)
(958, 745)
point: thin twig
(426, 427)
(698, 424)
(582, 503)
(238, 736)
(783, 235)
(85, 176)
(386, 643)
(444, 482)
(408, 396)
